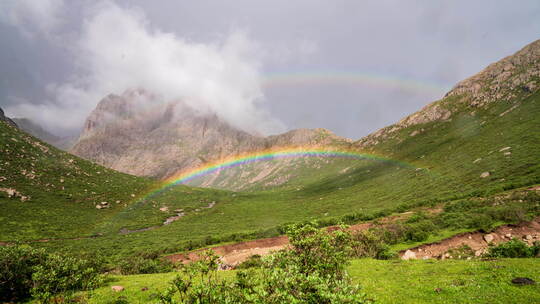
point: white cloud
(31, 16)
(119, 50)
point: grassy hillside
(445, 154)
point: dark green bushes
(27, 272)
(143, 265)
(59, 275)
(16, 269)
(255, 261)
(514, 249)
(370, 244)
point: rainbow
(294, 79)
(265, 155)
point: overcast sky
(264, 66)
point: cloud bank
(31, 16)
(119, 49)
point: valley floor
(393, 281)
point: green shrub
(145, 264)
(254, 261)
(369, 244)
(311, 271)
(483, 222)
(26, 272)
(514, 249)
(59, 275)
(16, 267)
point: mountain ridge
(175, 137)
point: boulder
(485, 174)
(117, 288)
(523, 281)
(409, 255)
(488, 238)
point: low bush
(16, 268)
(369, 244)
(143, 265)
(255, 261)
(480, 221)
(26, 272)
(514, 249)
(60, 275)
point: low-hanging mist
(119, 49)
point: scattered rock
(528, 237)
(117, 288)
(488, 238)
(478, 253)
(485, 174)
(507, 153)
(438, 290)
(504, 149)
(164, 209)
(477, 160)
(523, 281)
(409, 255)
(508, 235)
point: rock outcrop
(3, 117)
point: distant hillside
(64, 143)
(137, 134)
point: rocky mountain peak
(137, 133)
(505, 79)
(512, 78)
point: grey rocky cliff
(137, 134)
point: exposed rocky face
(508, 80)
(518, 74)
(138, 134)
(6, 119)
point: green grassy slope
(57, 193)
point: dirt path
(477, 241)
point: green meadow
(449, 281)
